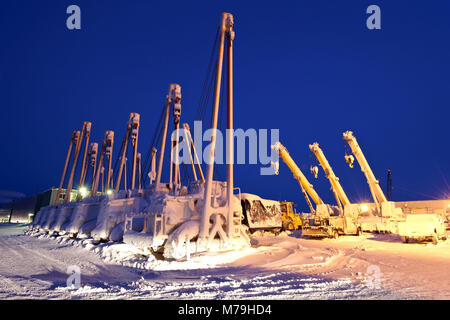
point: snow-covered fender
(112, 213)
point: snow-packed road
(283, 267)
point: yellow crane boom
(374, 184)
(298, 175)
(334, 181)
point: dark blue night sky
(310, 68)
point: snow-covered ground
(282, 267)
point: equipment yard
(197, 203)
(275, 267)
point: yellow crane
(384, 207)
(326, 220)
(341, 197)
(389, 218)
(387, 215)
(306, 187)
(321, 224)
(347, 223)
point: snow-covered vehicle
(261, 214)
(329, 222)
(84, 217)
(62, 218)
(171, 224)
(422, 227)
(111, 217)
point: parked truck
(422, 227)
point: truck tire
(288, 225)
(404, 239)
(335, 234)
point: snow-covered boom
(384, 207)
(132, 134)
(307, 188)
(326, 220)
(209, 216)
(347, 222)
(387, 215)
(107, 149)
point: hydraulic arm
(374, 184)
(133, 130)
(338, 191)
(73, 141)
(385, 207)
(307, 188)
(107, 145)
(86, 128)
(173, 97)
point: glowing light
(364, 208)
(83, 192)
(109, 192)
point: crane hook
(350, 160)
(314, 170)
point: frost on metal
(261, 213)
(111, 215)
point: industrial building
(22, 210)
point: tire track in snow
(5, 245)
(10, 284)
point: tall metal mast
(75, 160)
(84, 163)
(133, 129)
(73, 138)
(108, 154)
(174, 166)
(389, 185)
(226, 29)
(173, 96)
(106, 149)
(135, 117)
(93, 151)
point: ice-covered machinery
(322, 209)
(114, 207)
(52, 218)
(422, 227)
(85, 130)
(132, 134)
(387, 215)
(347, 221)
(325, 220)
(107, 149)
(209, 216)
(73, 141)
(173, 98)
(80, 213)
